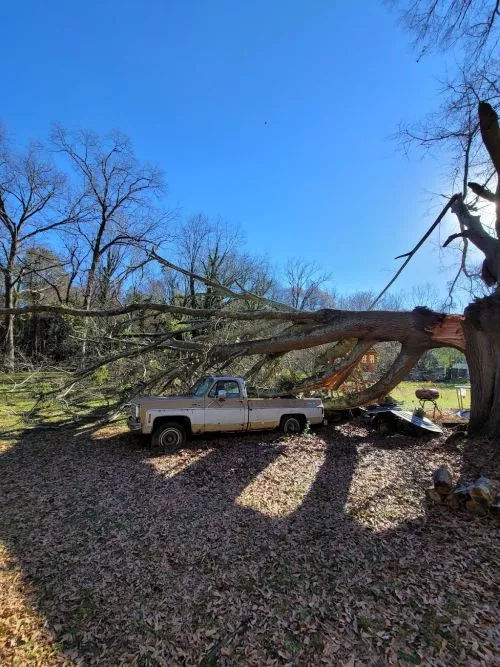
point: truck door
(227, 413)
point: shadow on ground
(137, 559)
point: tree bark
(9, 346)
(490, 133)
(418, 330)
(482, 349)
(9, 349)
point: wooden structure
(369, 361)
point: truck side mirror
(221, 395)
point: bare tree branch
(482, 191)
(247, 296)
(412, 252)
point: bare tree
(32, 205)
(43, 275)
(472, 28)
(212, 249)
(442, 24)
(304, 282)
(424, 295)
(118, 195)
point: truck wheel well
(183, 421)
(302, 418)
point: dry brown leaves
(250, 550)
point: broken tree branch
(218, 287)
(412, 252)
(402, 365)
(482, 191)
(421, 329)
(247, 315)
(458, 235)
(478, 235)
(332, 379)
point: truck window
(201, 387)
(231, 388)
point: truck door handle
(195, 405)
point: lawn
(26, 400)
(251, 550)
(448, 396)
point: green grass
(447, 400)
(22, 401)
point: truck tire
(169, 436)
(291, 425)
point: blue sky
(276, 115)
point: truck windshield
(201, 387)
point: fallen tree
(476, 332)
(417, 331)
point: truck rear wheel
(169, 436)
(291, 425)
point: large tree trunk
(482, 349)
(9, 349)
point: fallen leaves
(252, 550)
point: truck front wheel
(169, 436)
(291, 425)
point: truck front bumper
(134, 423)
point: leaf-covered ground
(251, 550)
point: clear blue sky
(276, 115)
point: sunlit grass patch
(28, 399)
(447, 400)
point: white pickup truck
(219, 404)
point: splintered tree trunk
(482, 349)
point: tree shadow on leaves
(159, 560)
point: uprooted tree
(245, 325)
